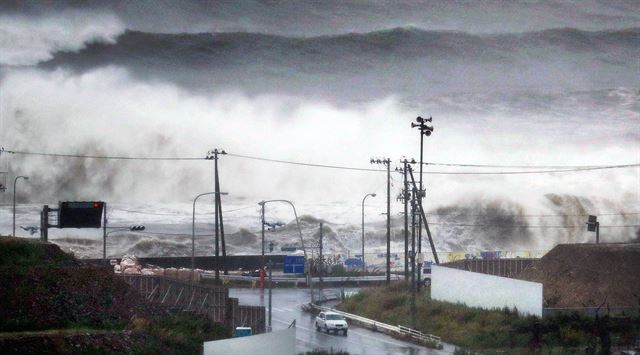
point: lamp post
(365, 197)
(304, 250)
(262, 203)
(15, 181)
(193, 227)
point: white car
(331, 322)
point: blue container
(242, 332)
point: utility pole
(262, 223)
(424, 131)
(413, 257)
(270, 268)
(213, 155)
(424, 219)
(387, 163)
(405, 201)
(104, 233)
(15, 183)
(321, 260)
(223, 244)
(405, 196)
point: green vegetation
(491, 329)
(18, 255)
(184, 333)
(54, 298)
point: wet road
(286, 305)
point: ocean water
(545, 85)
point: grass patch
(489, 329)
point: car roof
(331, 313)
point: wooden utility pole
(262, 231)
(405, 196)
(387, 163)
(218, 224)
(424, 219)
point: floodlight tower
(425, 130)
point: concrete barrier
(485, 291)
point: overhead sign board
(293, 264)
(80, 214)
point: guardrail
(304, 280)
(399, 331)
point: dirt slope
(587, 275)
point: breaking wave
(234, 49)
(383, 63)
(28, 40)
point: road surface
(286, 305)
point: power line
(175, 234)
(517, 166)
(303, 164)
(603, 167)
(177, 213)
(534, 215)
(341, 167)
(526, 226)
(107, 157)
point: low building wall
(485, 291)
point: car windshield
(334, 317)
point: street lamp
(14, 201)
(193, 228)
(365, 197)
(262, 204)
(304, 250)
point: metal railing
(303, 279)
(399, 331)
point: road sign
(293, 264)
(353, 263)
(80, 214)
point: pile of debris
(129, 264)
(589, 275)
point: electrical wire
(516, 166)
(107, 157)
(534, 215)
(175, 214)
(304, 164)
(525, 226)
(604, 167)
(341, 167)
